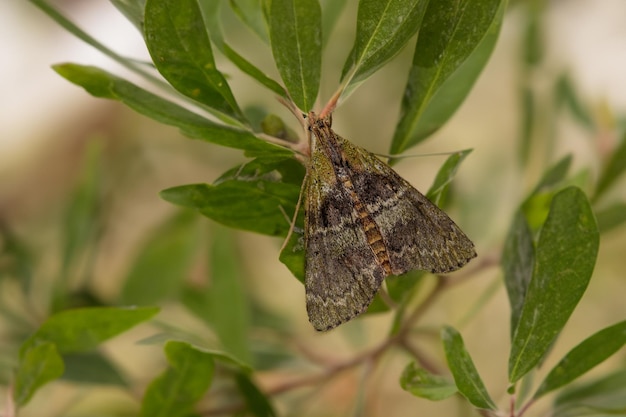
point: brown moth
(364, 222)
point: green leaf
(223, 303)
(607, 393)
(296, 37)
(614, 167)
(331, 11)
(211, 12)
(528, 123)
(102, 84)
(454, 43)
(175, 391)
(611, 217)
(423, 384)
(256, 402)
(133, 10)
(83, 329)
(554, 175)
(566, 95)
(91, 368)
(383, 28)
(248, 197)
(565, 257)
(163, 261)
(445, 175)
(179, 45)
(292, 255)
(465, 375)
(592, 351)
(17, 258)
(518, 261)
(39, 364)
(251, 14)
(81, 221)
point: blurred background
(49, 130)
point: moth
(364, 222)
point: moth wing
(341, 272)
(416, 233)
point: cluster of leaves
(548, 257)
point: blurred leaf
(423, 384)
(248, 197)
(179, 45)
(453, 46)
(592, 351)
(91, 368)
(528, 122)
(611, 217)
(184, 382)
(518, 261)
(614, 167)
(296, 37)
(223, 303)
(211, 12)
(445, 175)
(251, 14)
(383, 27)
(465, 375)
(607, 393)
(566, 95)
(331, 10)
(554, 175)
(81, 221)
(256, 402)
(163, 261)
(565, 257)
(39, 364)
(533, 42)
(133, 10)
(100, 83)
(83, 329)
(16, 259)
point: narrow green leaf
(611, 217)
(179, 45)
(84, 329)
(249, 197)
(614, 167)
(567, 95)
(292, 255)
(528, 123)
(445, 175)
(163, 262)
(256, 402)
(251, 14)
(466, 377)
(100, 83)
(213, 18)
(81, 218)
(175, 392)
(296, 37)
(518, 261)
(453, 46)
(423, 384)
(606, 393)
(331, 10)
(39, 364)
(92, 368)
(554, 175)
(565, 257)
(224, 300)
(133, 10)
(534, 40)
(592, 351)
(383, 28)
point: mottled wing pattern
(341, 273)
(416, 233)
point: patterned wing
(416, 233)
(342, 275)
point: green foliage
(213, 367)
